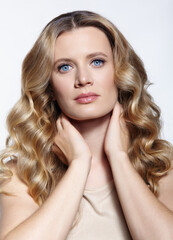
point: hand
(69, 145)
(117, 135)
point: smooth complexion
(88, 68)
(85, 69)
(147, 218)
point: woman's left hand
(117, 135)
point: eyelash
(100, 60)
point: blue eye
(98, 62)
(64, 68)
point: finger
(65, 120)
(53, 147)
(123, 126)
(57, 151)
(64, 117)
(59, 124)
(117, 111)
(118, 115)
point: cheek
(109, 87)
(60, 90)
(108, 81)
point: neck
(94, 131)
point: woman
(86, 161)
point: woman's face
(84, 65)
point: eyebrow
(88, 56)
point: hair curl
(31, 122)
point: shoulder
(17, 206)
(166, 187)
(13, 185)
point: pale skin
(95, 140)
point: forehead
(82, 39)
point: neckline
(107, 186)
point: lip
(86, 97)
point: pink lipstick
(86, 97)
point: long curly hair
(32, 121)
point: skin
(94, 140)
(84, 74)
(107, 139)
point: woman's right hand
(69, 145)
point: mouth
(86, 97)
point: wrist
(118, 156)
(83, 164)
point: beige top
(101, 216)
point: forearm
(146, 216)
(54, 218)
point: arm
(146, 216)
(54, 218)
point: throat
(100, 174)
(93, 132)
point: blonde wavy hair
(32, 121)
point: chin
(88, 116)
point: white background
(146, 24)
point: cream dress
(101, 217)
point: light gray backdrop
(146, 24)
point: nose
(83, 77)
